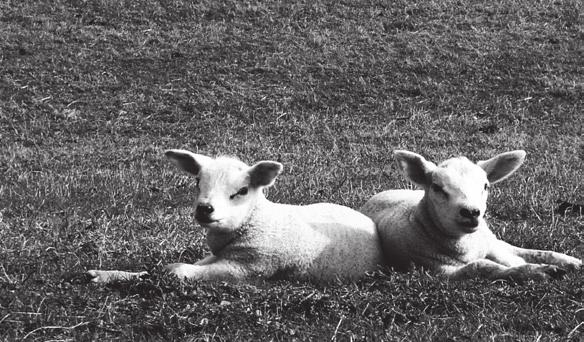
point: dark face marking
(439, 190)
(241, 192)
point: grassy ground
(92, 92)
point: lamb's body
(252, 237)
(441, 228)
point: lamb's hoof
(105, 277)
(537, 272)
(77, 277)
(555, 272)
(572, 264)
(545, 272)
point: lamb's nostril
(469, 213)
(204, 209)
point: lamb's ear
(502, 165)
(416, 168)
(187, 161)
(264, 173)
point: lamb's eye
(197, 181)
(487, 186)
(241, 192)
(438, 189)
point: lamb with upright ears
(442, 227)
(252, 237)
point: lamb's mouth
(216, 226)
(469, 225)
(205, 221)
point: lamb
(252, 237)
(442, 228)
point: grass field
(92, 92)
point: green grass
(92, 92)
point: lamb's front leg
(489, 269)
(218, 269)
(548, 257)
(509, 255)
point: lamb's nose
(470, 213)
(204, 209)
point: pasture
(93, 92)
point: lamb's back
(347, 241)
(318, 242)
(391, 209)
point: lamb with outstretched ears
(252, 237)
(442, 228)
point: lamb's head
(456, 190)
(228, 189)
